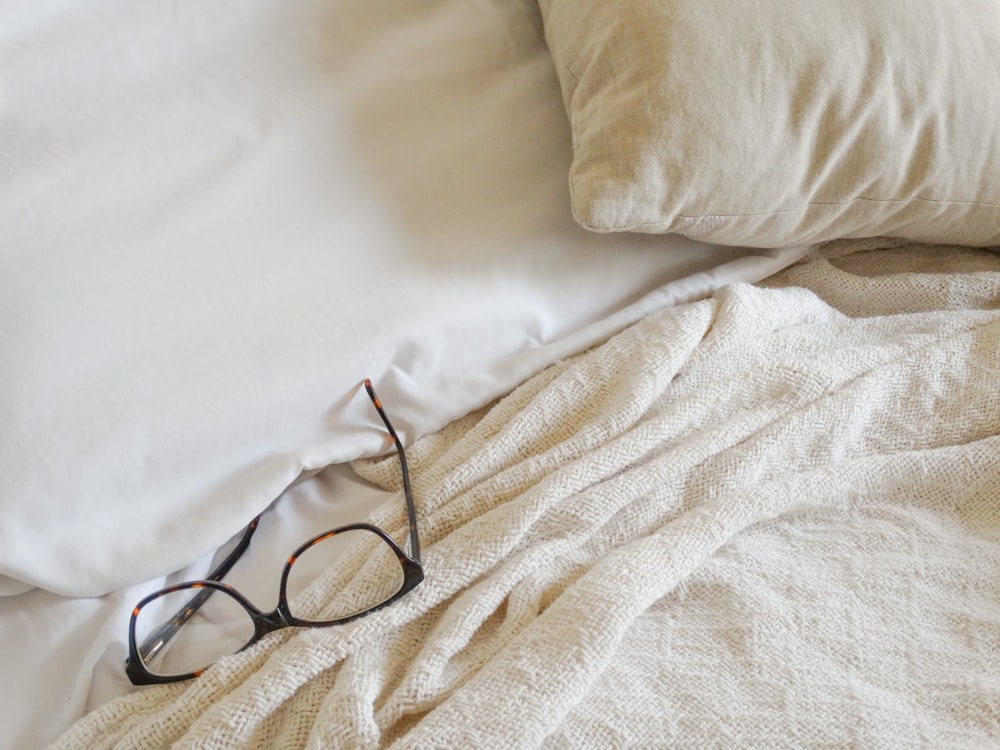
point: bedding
(765, 519)
(216, 221)
(671, 490)
(771, 124)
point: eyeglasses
(178, 632)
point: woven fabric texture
(769, 518)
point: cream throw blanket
(771, 518)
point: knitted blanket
(767, 519)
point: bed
(689, 328)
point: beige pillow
(774, 123)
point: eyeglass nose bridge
(268, 622)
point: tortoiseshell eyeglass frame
(280, 617)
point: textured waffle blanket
(769, 518)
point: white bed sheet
(216, 219)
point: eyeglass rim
(279, 618)
(264, 623)
(413, 574)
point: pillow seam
(702, 217)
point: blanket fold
(769, 518)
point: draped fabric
(768, 518)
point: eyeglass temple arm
(411, 511)
(162, 635)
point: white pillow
(214, 223)
(777, 123)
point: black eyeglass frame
(280, 617)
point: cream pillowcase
(773, 124)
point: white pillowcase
(216, 221)
(778, 123)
